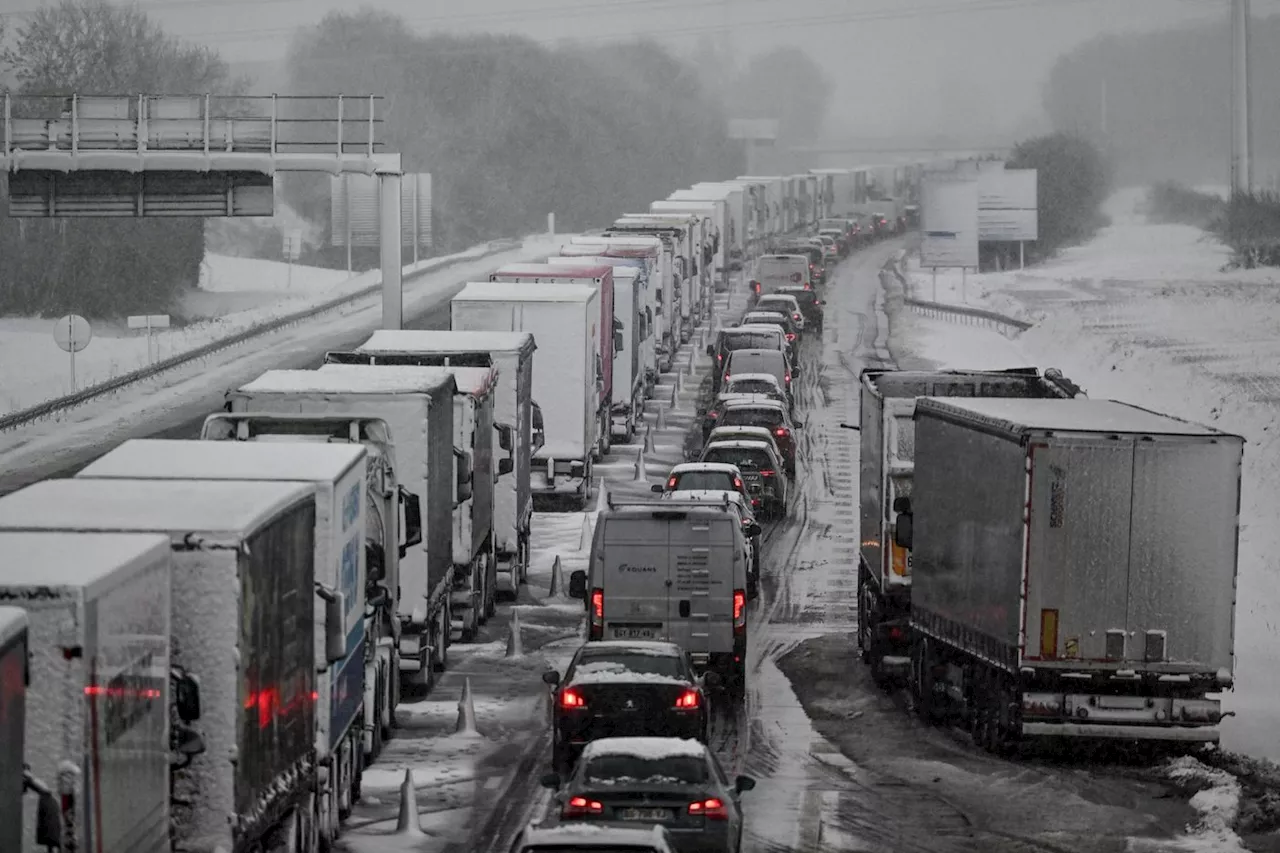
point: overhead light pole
(1241, 166)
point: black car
(810, 305)
(676, 784)
(730, 339)
(620, 688)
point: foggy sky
(971, 69)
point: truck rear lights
(1048, 633)
(572, 699)
(767, 472)
(712, 808)
(895, 633)
(787, 377)
(597, 614)
(581, 806)
(689, 700)
(739, 611)
(755, 285)
(1115, 645)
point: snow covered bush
(1250, 225)
(1073, 184)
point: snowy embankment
(1145, 315)
(234, 295)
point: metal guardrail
(968, 316)
(40, 411)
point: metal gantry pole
(1241, 166)
(389, 189)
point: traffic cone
(515, 647)
(408, 823)
(466, 724)
(648, 439)
(556, 590)
(640, 475)
(584, 538)
(662, 416)
(675, 392)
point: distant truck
(715, 214)
(417, 405)
(736, 230)
(652, 255)
(888, 401)
(564, 321)
(518, 429)
(599, 276)
(338, 474)
(393, 525)
(240, 622)
(696, 233)
(1075, 569)
(679, 284)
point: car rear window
(803, 296)
(782, 306)
(751, 458)
(708, 481)
(752, 386)
(771, 268)
(750, 340)
(596, 661)
(751, 417)
(629, 769)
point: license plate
(635, 633)
(646, 814)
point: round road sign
(72, 333)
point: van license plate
(646, 814)
(635, 633)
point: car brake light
(688, 700)
(795, 316)
(597, 614)
(782, 432)
(570, 698)
(719, 357)
(713, 414)
(671, 483)
(788, 378)
(713, 809)
(577, 806)
(755, 285)
(737, 484)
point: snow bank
(1217, 801)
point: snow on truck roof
(173, 459)
(1022, 415)
(174, 507)
(432, 343)
(588, 262)
(545, 270)
(13, 621)
(652, 748)
(510, 291)
(62, 559)
(353, 379)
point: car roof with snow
(175, 459)
(708, 467)
(741, 444)
(661, 648)
(749, 327)
(753, 401)
(569, 835)
(764, 433)
(47, 559)
(768, 297)
(353, 379)
(176, 507)
(431, 342)
(515, 291)
(645, 747)
(762, 317)
(754, 377)
(723, 400)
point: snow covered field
(235, 294)
(1143, 314)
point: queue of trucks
(203, 643)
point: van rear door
(703, 551)
(636, 577)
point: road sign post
(292, 251)
(72, 334)
(150, 322)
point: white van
(676, 571)
(774, 271)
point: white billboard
(354, 199)
(948, 221)
(1008, 205)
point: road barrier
(1006, 325)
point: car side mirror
(551, 677)
(795, 370)
(797, 426)
(753, 529)
(506, 466)
(506, 436)
(657, 488)
(550, 780)
(711, 349)
(711, 679)
(578, 584)
(902, 530)
(742, 784)
(411, 504)
(186, 694)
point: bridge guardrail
(965, 314)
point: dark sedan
(616, 688)
(810, 305)
(676, 784)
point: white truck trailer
(240, 621)
(517, 429)
(694, 231)
(715, 261)
(659, 289)
(735, 233)
(14, 677)
(564, 321)
(337, 472)
(417, 405)
(676, 239)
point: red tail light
(688, 700)
(782, 432)
(795, 316)
(737, 484)
(597, 614)
(712, 809)
(790, 337)
(788, 378)
(755, 285)
(579, 806)
(895, 633)
(671, 483)
(719, 357)
(739, 606)
(713, 414)
(570, 698)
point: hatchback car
(810, 306)
(764, 384)
(783, 303)
(678, 785)
(782, 321)
(742, 337)
(712, 417)
(767, 415)
(763, 471)
(777, 364)
(576, 838)
(703, 476)
(624, 688)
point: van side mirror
(902, 504)
(463, 469)
(619, 343)
(506, 466)
(711, 679)
(742, 784)
(335, 627)
(902, 530)
(752, 529)
(551, 677)
(578, 585)
(186, 694)
(539, 428)
(506, 436)
(412, 507)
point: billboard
(355, 210)
(949, 221)
(1008, 205)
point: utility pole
(1241, 166)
